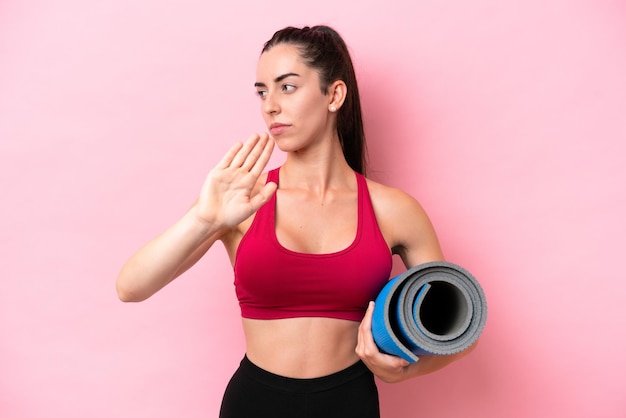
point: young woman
(310, 242)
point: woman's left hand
(392, 369)
(386, 367)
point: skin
(316, 213)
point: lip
(278, 128)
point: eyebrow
(277, 79)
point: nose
(270, 105)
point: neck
(317, 170)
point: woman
(310, 242)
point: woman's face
(292, 103)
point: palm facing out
(228, 195)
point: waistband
(311, 385)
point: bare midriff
(301, 348)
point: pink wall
(506, 120)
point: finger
(366, 323)
(397, 364)
(264, 195)
(398, 361)
(364, 336)
(242, 154)
(255, 152)
(263, 159)
(227, 159)
(368, 346)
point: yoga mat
(433, 308)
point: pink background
(506, 120)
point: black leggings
(254, 392)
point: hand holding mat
(433, 308)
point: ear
(337, 93)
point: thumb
(263, 195)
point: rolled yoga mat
(433, 308)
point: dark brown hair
(323, 49)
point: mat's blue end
(399, 324)
(382, 329)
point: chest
(316, 226)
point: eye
(288, 88)
(261, 93)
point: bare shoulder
(391, 200)
(405, 224)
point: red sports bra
(273, 282)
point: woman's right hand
(230, 194)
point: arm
(165, 257)
(230, 194)
(410, 233)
